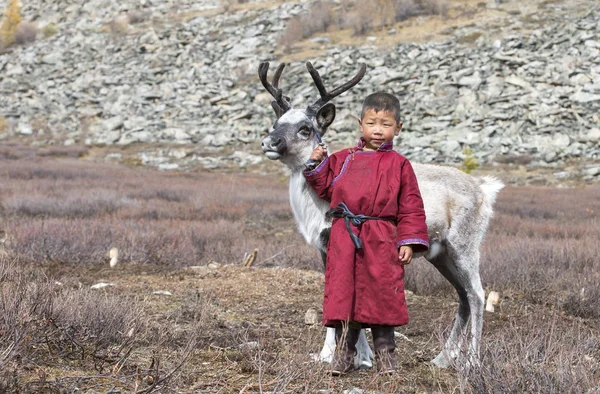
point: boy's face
(378, 128)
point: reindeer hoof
(441, 361)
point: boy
(379, 222)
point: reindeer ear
(325, 116)
(278, 110)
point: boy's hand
(405, 254)
(318, 154)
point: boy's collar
(383, 148)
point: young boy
(379, 222)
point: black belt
(342, 211)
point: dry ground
(230, 329)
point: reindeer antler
(327, 96)
(282, 103)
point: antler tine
(327, 96)
(263, 70)
(278, 75)
(272, 88)
(317, 79)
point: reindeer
(458, 207)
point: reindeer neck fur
(309, 210)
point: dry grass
(26, 33)
(361, 16)
(10, 23)
(232, 329)
(3, 125)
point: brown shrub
(74, 212)
(26, 33)
(10, 23)
(44, 324)
(292, 33)
(119, 25)
(535, 354)
(318, 19)
(72, 151)
(433, 7)
(3, 125)
(136, 17)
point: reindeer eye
(304, 131)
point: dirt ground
(265, 308)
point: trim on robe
(344, 167)
(413, 241)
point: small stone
(582, 97)
(249, 345)
(592, 171)
(25, 129)
(213, 264)
(162, 292)
(311, 317)
(101, 285)
(113, 254)
(492, 301)
(168, 166)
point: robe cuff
(318, 169)
(422, 245)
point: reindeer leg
(463, 273)
(449, 269)
(364, 354)
(476, 296)
(326, 354)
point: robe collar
(388, 146)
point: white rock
(249, 345)
(162, 292)
(101, 285)
(311, 317)
(582, 97)
(25, 129)
(113, 254)
(492, 300)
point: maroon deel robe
(367, 285)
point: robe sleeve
(412, 229)
(321, 177)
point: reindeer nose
(276, 142)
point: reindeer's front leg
(364, 354)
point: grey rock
(591, 171)
(583, 97)
(113, 123)
(25, 129)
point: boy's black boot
(343, 359)
(385, 344)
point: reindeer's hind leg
(463, 273)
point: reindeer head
(294, 134)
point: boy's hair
(382, 101)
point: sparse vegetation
(10, 23)
(469, 162)
(26, 33)
(361, 16)
(241, 329)
(49, 30)
(3, 125)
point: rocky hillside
(524, 87)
